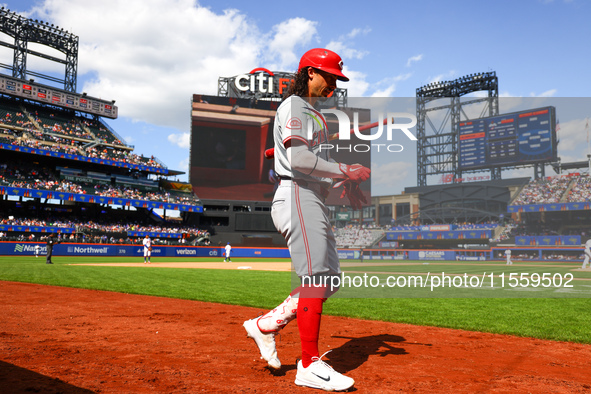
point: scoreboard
(517, 138)
(49, 95)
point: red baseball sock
(309, 314)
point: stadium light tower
(25, 31)
(437, 145)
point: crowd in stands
(456, 226)
(543, 191)
(104, 232)
(12, 221)
(51, 123)
(101, 133)
(24, 176)
(59, 133)
(551, 190)
(46, 143)
(355, 236)
(581, 190)
(507, 233)
(121, 155)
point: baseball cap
(325, 60)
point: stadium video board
(48, 95)
(229, 137)
(512, 139)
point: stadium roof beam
(429, 137)
(24, 31)
(558, 166)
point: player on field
(50, 242)
(508, 254)
(228, 249)
(306, 173)
(147, 249)
(587, 254)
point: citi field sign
(261, 80)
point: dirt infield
(65, 340)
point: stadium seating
(357, 237)
(107, 231)
(543, 191)
(23, 175)
(580, 190)
(58, 131)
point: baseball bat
(270, 153)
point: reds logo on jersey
(294, 124)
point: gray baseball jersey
(298, 209)
(297, 119)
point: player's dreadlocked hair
(299, 85)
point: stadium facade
(62, 168)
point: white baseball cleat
(265, 343)
(320, 375)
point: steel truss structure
(25, 31)
(438, 145)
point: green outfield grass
(565, 319)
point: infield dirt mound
(55, 339)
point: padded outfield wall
(76, 249)
(519, 253)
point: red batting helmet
(325, 60)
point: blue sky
(151, 55)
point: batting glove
(353, 192)
(355, 172)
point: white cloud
(519, 173)
(345, 51)
(573, 135)
(285, 38)
(414, 59)
(386, 87)
(358, 31)
(184, 166)
(152, 55)
(443, 77)
(342, 45)
(357, 85)
(390, 173)
(547, 93)
(183, 140)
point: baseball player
(147, 249)
(508, 254)
(306, 173)
(587, 254)
(50, 242)
(37, 250)
(228, 248)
